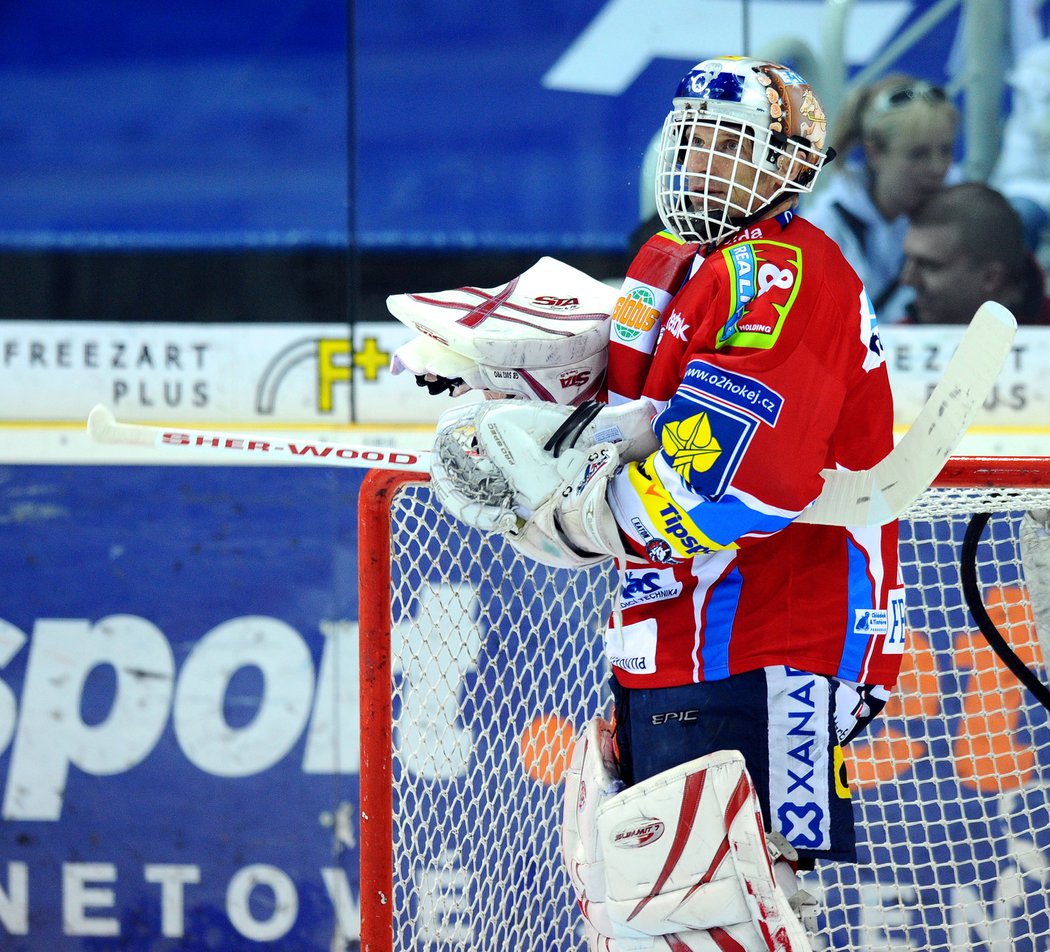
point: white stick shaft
(103, 428)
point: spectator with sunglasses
(905, 130)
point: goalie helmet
(742, 135)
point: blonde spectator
(897, 141)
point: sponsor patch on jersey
(897, 624)
(752, 277)
(690, 445)
(704, 442)
(632, 647)
(672, 522)
(641, 586)
(660, 552)
(735, 389)
(657, 549)
(870, 621)
(636, 313)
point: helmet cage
(706, 192)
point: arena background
(205, 208)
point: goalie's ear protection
(570, 430)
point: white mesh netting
(497, 663)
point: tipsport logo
(336, 361)
(47, 734)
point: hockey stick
(103, 428)
(868, 497)
(875, 496)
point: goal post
(478, 667)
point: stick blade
(102, 427)
(99, 420)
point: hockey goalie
(740, 358)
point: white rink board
(307, 381)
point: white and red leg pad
(687, 867)
(591, 780)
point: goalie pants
(783, 722)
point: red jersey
(768, 368)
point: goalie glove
(538, 473)
(575, 527)
(543, 336)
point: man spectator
(966, 246)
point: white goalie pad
(685, 855)
(543, 335)
(592, 778)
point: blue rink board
(186, 550)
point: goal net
(479, 667)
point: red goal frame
(379, 489)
